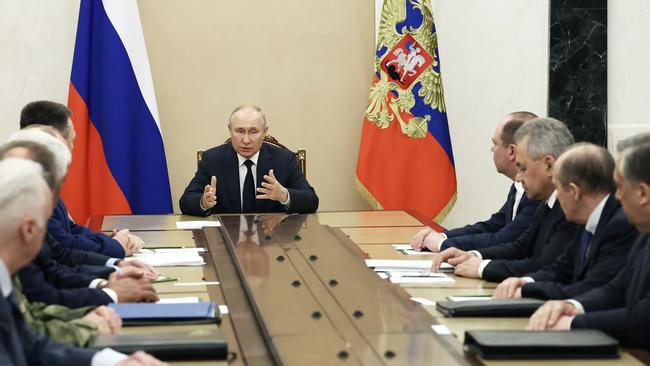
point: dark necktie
(585, 240)
(248, 193)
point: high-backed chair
(301, 154)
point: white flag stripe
(125, 17)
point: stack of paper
(172, 250)
(385, 265)
(169, 259)
(470, 298)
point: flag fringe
(365, 193)
(442, 215)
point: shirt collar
(519, 188)
(551, 200)
(5, 280)
(594, 218)
(252, 158)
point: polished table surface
(373, 231)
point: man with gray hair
(540, 142)
(621, 307)
(583, 177)
(25, 204)
(48, 278)
(248, 175)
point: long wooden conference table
(297, 291)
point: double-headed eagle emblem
(406, 60)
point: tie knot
(248, 163)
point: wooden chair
(301, 154)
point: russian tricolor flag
(118, 164)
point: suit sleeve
(81, 238)
(500, 269)
(303, 197)
(629, 325)
(73, 257)
(190, 201)
(36, 288)
(614, 248)
(496, 231)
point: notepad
(153, 313)
(192, 225)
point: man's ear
(28, 229)
(575, 191)
(549, 161)
(644, 194)
(512, 152)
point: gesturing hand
(272, 189)
(209, 198)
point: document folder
(519, 344)
(152, 313)
(506, 307)
(169, 346)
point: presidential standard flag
(118, 164)
(405, 158)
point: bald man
(247, 175)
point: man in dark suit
(513, 217)
(621, 307)
(25, 205)
(583, 178)
(45, 279)
(539, 143)
(228, 174)
(121, 243)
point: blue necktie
(248, 192)
(585, 240)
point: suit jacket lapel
(608, 210)
(263, 167)
(542, 212)
(232, 181)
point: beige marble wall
(309, 65)
(36, 45)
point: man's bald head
(588, 166)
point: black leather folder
(520, 344)
(506, 307)
(199, 344)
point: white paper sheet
(441, 329)
(179, 300)
(406, 249)
(172, 250)
(423, 301)
(405, 265)
(468, 298)
(190, 225)
(200, 283)
(169, 259)
(424, 280)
